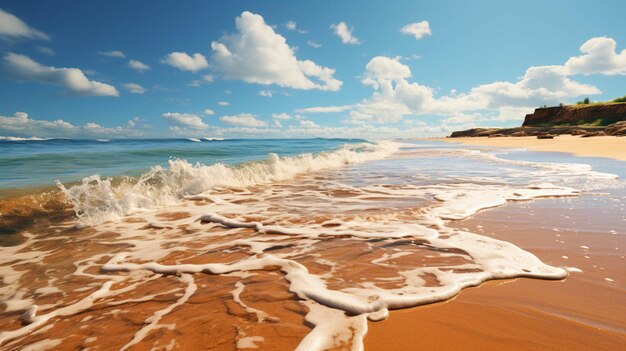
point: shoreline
(489, 311)
(600, 146)
(584, 311)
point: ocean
(40, 162)
(293, 244)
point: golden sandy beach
(583, 312)
(601, 146)
(226, 271)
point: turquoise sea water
(31, 163)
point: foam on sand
(348, 246)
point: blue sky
(299, 69)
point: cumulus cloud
(13, 27)
(185, 120)
(395, 97)
(185, 62)
(21, 125)
(138, 65)
(381, 67)
(23, 68)
(243, 120)
(599, 56)
(257, 54)
(278, 117)
(308, 124)
(417, 29)
(208, 112)
(135, 88)
(112, 53)
(344, 32)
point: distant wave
(194, 140)
(212, 139)
(10, 138)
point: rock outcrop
(583, 120)
(572, 115)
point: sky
(292, 69)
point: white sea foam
(97, 200)
(11, 138)
(304, 216)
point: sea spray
(97, 200)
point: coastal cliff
(576, 115)
(586, 120)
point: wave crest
(96, 200)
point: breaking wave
(97, 200)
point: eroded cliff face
(596, 114)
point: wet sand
(583, 312)
(63, 265)
(602, 146)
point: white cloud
(291, 25)
(11, 26)
(308, 124)
(345, 33)
(206, 79)
(381, 67)
(23, 68)
(313, 44)
(223, 103)
(417, 29)
(282, 116)
(112, 53)
(138, 65)
(21, 125)
(257, 54)
(135, 88)
(185, 120)
(539, 85)
(208, 112)
(266, 93)
(243, 120)
(185, 62)
(277, 118)
(394, 97)
(599, 57)
(324, 109)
